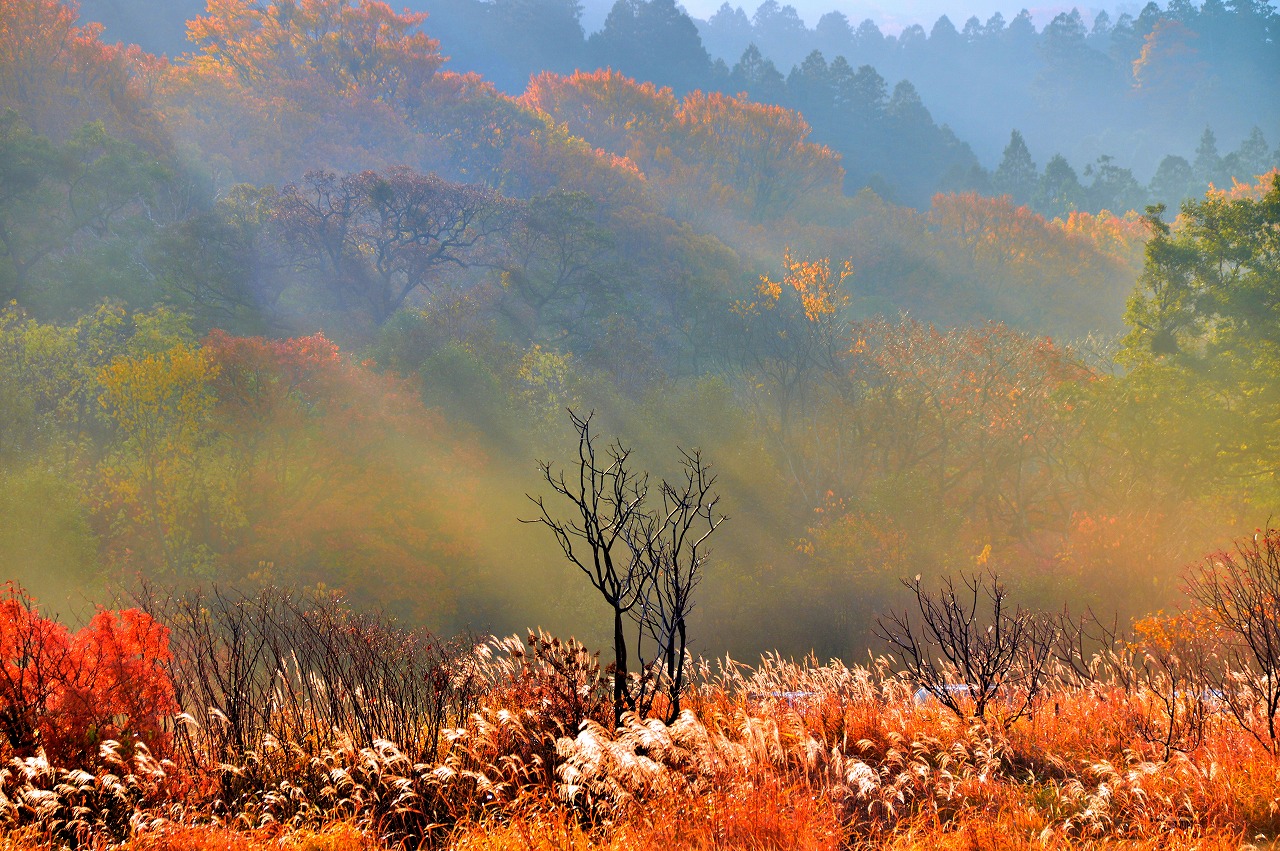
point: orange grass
(781, 756)
(338, 836)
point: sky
(890, 15)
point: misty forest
(478, 426)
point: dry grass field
(781, 755)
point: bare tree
(302, 667)
(1175, 670)
(965, 645)
(1167, 667)
(644, 562)
(380, 236)
(672, 546)
(1090, 651)
(1240, 592)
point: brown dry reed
(316, 744)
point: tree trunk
(621, 698)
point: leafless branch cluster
(970, 649)
(1219, 657)
(645, 560)
(303, 668)
(1240, 594)
(1163, 670)
(379, 236)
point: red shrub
(69, 693)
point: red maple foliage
(68, 693)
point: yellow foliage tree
(157, 480)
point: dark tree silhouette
(379, 236)
(1240, 591)
(966, 646)
(645, 561)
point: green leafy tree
(560, 276)
(652, 40)
(56, 197)
(1206, 318)
(1113, 187)
(1173, 181)
(1251, 159)
(536, 35)
(1208, 162)
(161, 405)
(1016, 176)
(1058, 191)
(221, 265)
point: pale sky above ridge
(890, 15)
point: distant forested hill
(302, 304)
(1111, 113)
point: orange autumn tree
(59, 75)
(761, 153)
(605, 107)
(340, 476)
(751, 158)
(612, 131)
(246, 460)
(1123, 237)
(1011, 263)
(796, 331)
(550, 160)
(794, 351)
(352, 47)
(974, 415)
(470, 130)
(67, 694)
(277, 87)
(274, 89)
(1169, 72)
(970, 259)
(955, 451)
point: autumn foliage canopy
(68, 693)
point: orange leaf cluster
(68, 693)
(752, 157)
(60, 76)
(820, 294)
